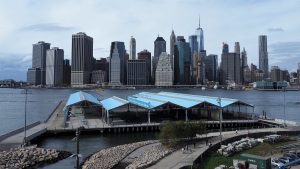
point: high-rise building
(211, 67)
(172, 43)
(34, 76)
(298, 74)
(230, 69)
(54, 67)
(39, 59)
(275, 73)
(284, 75)
(237, 48)
(244, 65)
(200, 37)
(98, 77)
(146, 55)
(115, 66)
(159, 47)
(82, 59)
(136, 72)
(194, 57)
(103, 65)
(132, 48)
(164, 71)
(201, 68)
(67, 72)
(263, 55)
(182, 62)
(121, 53)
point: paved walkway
(180, 159)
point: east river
(41, 102)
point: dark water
(41, 102)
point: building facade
(117, 49)
(67, 72)
(82, 59)
(182, 62)
(34, 76)
(146, 55)
(263, 55)
(98, 77)
(103, 65)
(136, 72)
(200, 37)
(132, 48)
(159, 47)
(211, 67)
(164, 71)
(54, 67)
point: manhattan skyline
(108, 21)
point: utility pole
(284, 90)
(25, 91)
(220, 119)
(77, 148)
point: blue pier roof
(81, 96)
(113, 102)
(146, 103)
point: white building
(164, 71)
(132, 48)
(115, 68)
(54, 66)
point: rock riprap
(108, 158)
(25, 157)
(150, 157)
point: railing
(53, 111)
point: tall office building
(67, 72)
(237, 48)
(34, 76)
(275, 73)
(263, 55)
(159, 47)
(103, 65)
(298, 73)
(121, 53)
(115, 67)
(164, 71)
(200, 37)
(211, 67)
(182, 62)
(54, 67)
(230, 68)
(82, 59)
(244, 65)
(132, 48)
(146, 55)
(136, 72)
(172, 43)
(194, 57)
(39, 61)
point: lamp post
(220, 119)
(25, 91)
(284, 90)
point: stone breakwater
(108, 158)
(150, 156)
(26, 157)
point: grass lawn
(263, 149)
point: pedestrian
(236, 132)
(194, 145)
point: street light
(220, 119)
(284, 90)
(77, 155)
(25, 91)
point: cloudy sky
(29, 21)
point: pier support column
(107, 114)
(186, 115)
(149, 117)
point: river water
(41, 102)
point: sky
(26, 22)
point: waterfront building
(54, 67)
(247, 74)
(164, 71)
(132, 48)
(103, 65)
(269, 84)
(136, 72)
(159, 47)
(298, 73)
(117, 56)
(115, 67)
(275, 73)
(284, 75)
(211, 67)
(39, 60)
(263, 55)
(34, 76)
(230, 69)
(98, 77)
(146, 55)
(194, 57)
(67, 72)
(182, 62)
(82, 59)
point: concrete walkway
(180, 159)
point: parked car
(276, 163)
(284, 159)
(291, 156)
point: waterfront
(42, 101)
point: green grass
(264, 149)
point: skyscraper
(164, 71)
(263, 55)
(182, 62)
(230, 69)
(159, 47)
(172, 43)
(82, 59)
(132, 48)
(237, 48)
(39, 59)
(146, 55)
(200, 37)
(136, 73)
(194, 57)
(211, 66)
(67, 72)
(115, 66)
(244, 65)
(121, 53)
(54, 67)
